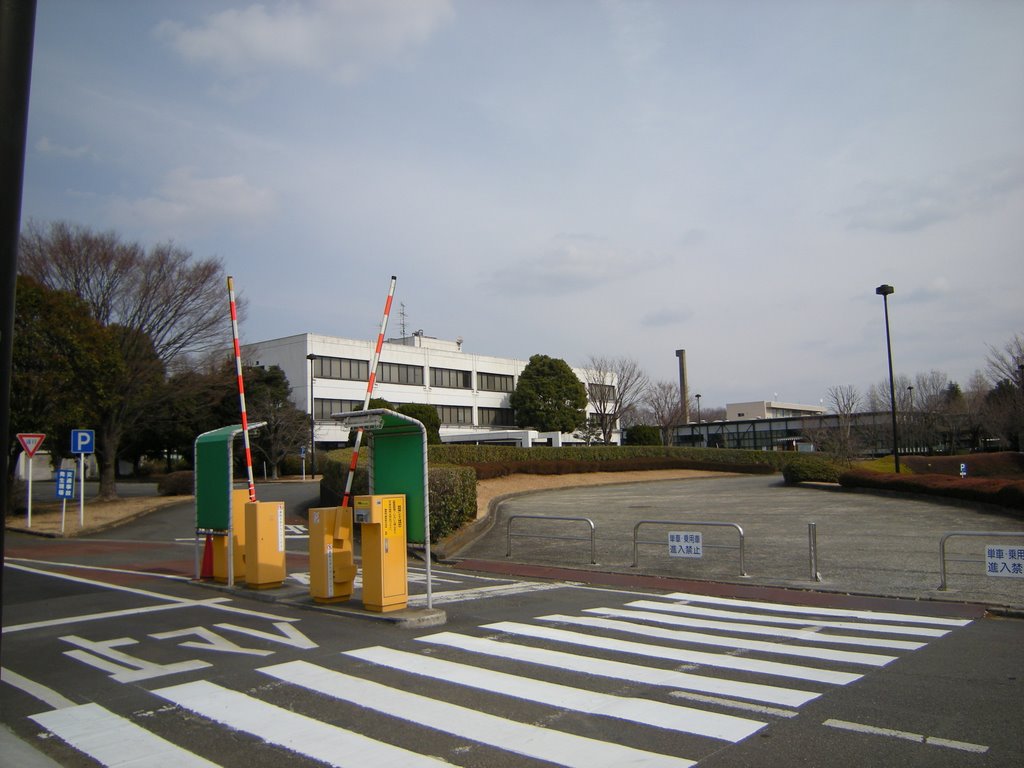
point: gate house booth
(398, 465)
(220, 509)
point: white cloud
(343, 38)
(47, 147)
(186, 202)
(903, 206)
(572, 264)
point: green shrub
(451, 491)
(811, 468)
(177, 484)
(452, 496)
(642, 434)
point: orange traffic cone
(206, 572)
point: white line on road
(718, 701)
(806, 634)
(34, 689)
(620, 670)
(643, 711)
(826, 654)
(548, 744)
(934, 741)
(275, 725)
(112, 740)
(677, 654)
(847, 612)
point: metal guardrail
(739, 530)
(587, 520)
(942, 548)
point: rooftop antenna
(401, 317)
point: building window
(457, 415)
(602, 393)
(497, 417)
(451, 378)
(495, 382)
(341, 368)
(396, 373)
(324, 407)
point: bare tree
(845, 402)
(161, 303)
(1004, 364)
(662, 399)
(614, 387)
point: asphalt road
(524, 672)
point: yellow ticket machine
(385, 582)
(332, 568)
(264, 545)
(236, 536)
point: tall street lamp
(312, 419)
(885, 291)
(910, 420)
(698, 419)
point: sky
(573, 178)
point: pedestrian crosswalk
(659, 681)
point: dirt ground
(46, 517)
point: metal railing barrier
(587, 520)
(682, 523)
(942, 549)
(812, 550)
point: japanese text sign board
(30, 442)
(685, 544)
(1004, 561)
(65, 483)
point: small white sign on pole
(1004, 561)
(685, 544)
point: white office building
(470, 392)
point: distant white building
(766, 409)
(470, 392)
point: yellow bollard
(332, 569)
(264, 546)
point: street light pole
(312, 420)
(885, 291)
(698, 419)
(910, 420)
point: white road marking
(474, 593)
(113, 741)
(889, 629)
(321, 741)
(520, 738)
(809, 635)
(677, 654)
(643, 711)
(746, 706)
(826, 654)
(620, 670)
(34, 689)
(934, 741)
(845, 612)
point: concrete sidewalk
(867, 543)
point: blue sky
(729, 177)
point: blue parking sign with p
(83, 441)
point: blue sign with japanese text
(65, 483)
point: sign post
(30, 443)
(65, 491)
(83, 441)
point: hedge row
(812, 468)
(507, 454)
(989, 490)
(490, 469)
(451, 493)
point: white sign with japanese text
(1004, 561)
(685, 544)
